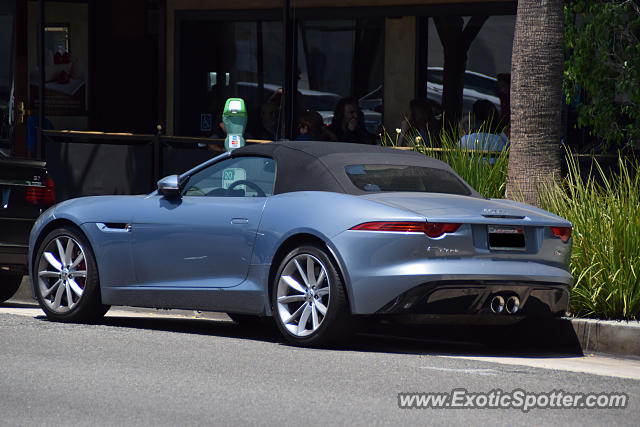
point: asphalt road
(148, 367)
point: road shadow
(199, 326)
(546, 339)
(19, 304)
(552, 338)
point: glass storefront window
(487, 69)
(6, 33)
(220, 60)
(341, 59)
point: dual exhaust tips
(510, 306)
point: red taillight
(437, 229)
(564, 233)
(45, 196)
(405, 226)
(431, 229)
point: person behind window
(348, 123)
(267, 126)
(271, 123)
(487, 134)
(419, 123)
(311, 127)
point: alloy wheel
(303, 295)
(62, 274)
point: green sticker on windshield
(231, 175)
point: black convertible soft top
(320, 165)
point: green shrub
(605, 212)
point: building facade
(137, 66)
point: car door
(204, 238)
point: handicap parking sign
(205, 122)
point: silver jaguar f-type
(309, 233)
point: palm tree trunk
(536, 98)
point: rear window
(376, 178)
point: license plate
(506, 238)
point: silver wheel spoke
(61, 252)
(58, 299)
(68, 253)
(78, 260)
(302, 324)
(322, 291)
(290, 298)
(69, 295)
(321, 308)
(302, 273)
(314, 316)
(48, 274)
(311, 274)
(80, 273)
(75, 287)
(51, 289)
(293, 283)
(295, 315)
(321, 277)
(51, 259)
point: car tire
(66, 277)
(308, 299)
(9, 285)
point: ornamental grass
(604, 209)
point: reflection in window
(56, 39)
(341, 58)
(64, 76)
(220, 60)
(488, 61)
(6, 71)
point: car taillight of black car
(41, 195)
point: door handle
(239, 221)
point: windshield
(375, 178)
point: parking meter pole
(234, 118)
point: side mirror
(169, 186)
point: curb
(620, 338)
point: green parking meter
(234, 118)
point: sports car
(310, 234)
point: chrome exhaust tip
(513, 305)
(497, 304)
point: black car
(25, 192)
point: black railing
(84, 163)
